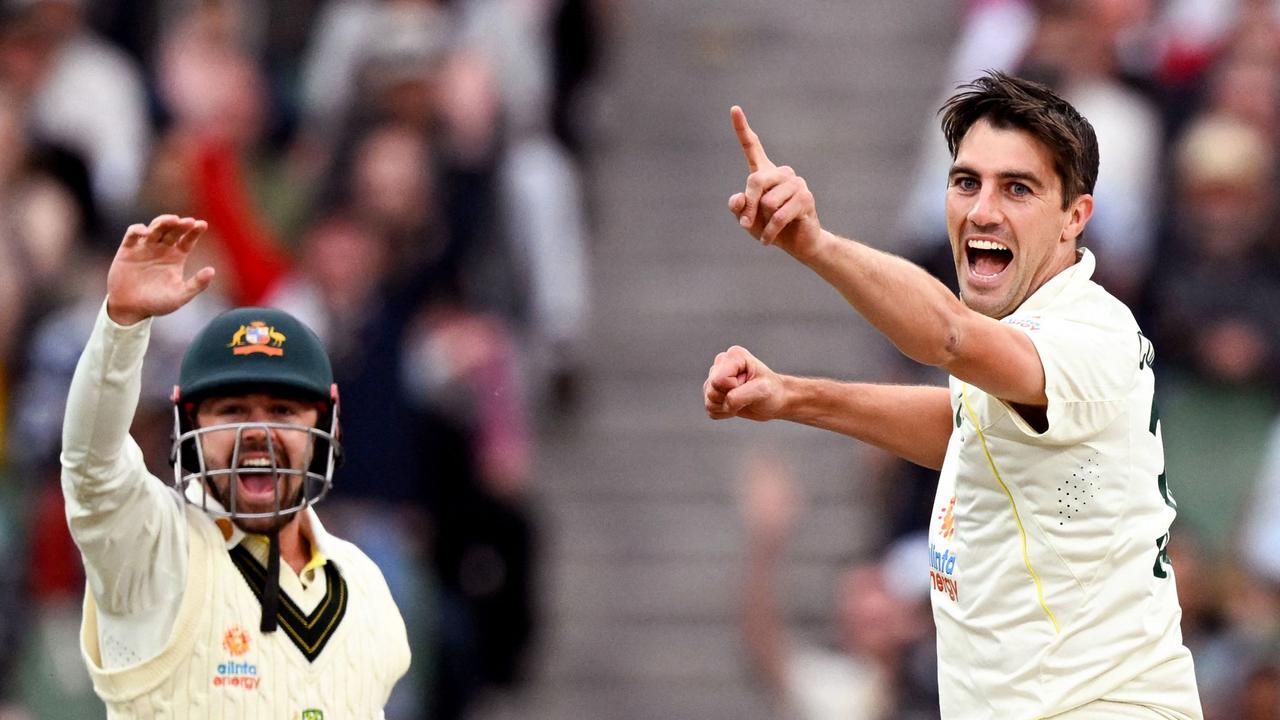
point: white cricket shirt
(1051, 590)
(171, 622)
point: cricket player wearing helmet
(223, 596)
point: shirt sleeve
(128, 524)
(1089, 372)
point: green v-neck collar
(309, 632)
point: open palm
(146, 278)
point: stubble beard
(261, 525)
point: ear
(1078, 214)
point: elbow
(938, 349)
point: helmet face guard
(190, 467)
(254, 350)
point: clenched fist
(739, 385)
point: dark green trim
(310, 633)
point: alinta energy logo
(942, 563)
(236, 673)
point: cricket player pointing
(226, 598)
(1052, 592)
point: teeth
(987, 245)
(257, 462)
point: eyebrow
(1004, 175)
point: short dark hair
(1011, 102)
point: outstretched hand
(146, 278)
(739, 385)
(776, 207)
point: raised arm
(912, 422)
(127, 524)
(916, 312)
(145, 279)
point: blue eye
(1019, 189)
(967, 184)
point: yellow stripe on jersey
(1022, 532)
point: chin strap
(271, 592)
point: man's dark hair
(1010, 102)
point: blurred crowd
(1185, 98)
(403, 175)
(406, 176)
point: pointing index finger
(751, 147)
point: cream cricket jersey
(1051, 586)
(172, 608)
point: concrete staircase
(637, 491)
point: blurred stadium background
(507, 220)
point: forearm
(900, 299)
(102, 400)
(912, 422)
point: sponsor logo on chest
(234, 673)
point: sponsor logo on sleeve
(1023, 322)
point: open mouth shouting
(256, 479)
(987, 259)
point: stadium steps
(637, 490)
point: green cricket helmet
(255, 350)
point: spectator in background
(356, 43)
(217, 97)
(1255, 598)
(882, 626)
(45, 206)
(1216, 317)
(540, 190)
(1227, 622)
(43, 243)
(510, 194)
(81, 92)
(1215, 322)
(16, 292)
(382, 279)
(579, 30)
(1243, 82)
(1076, 49)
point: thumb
(752, 392)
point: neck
(295, 547)
(1064, 261)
